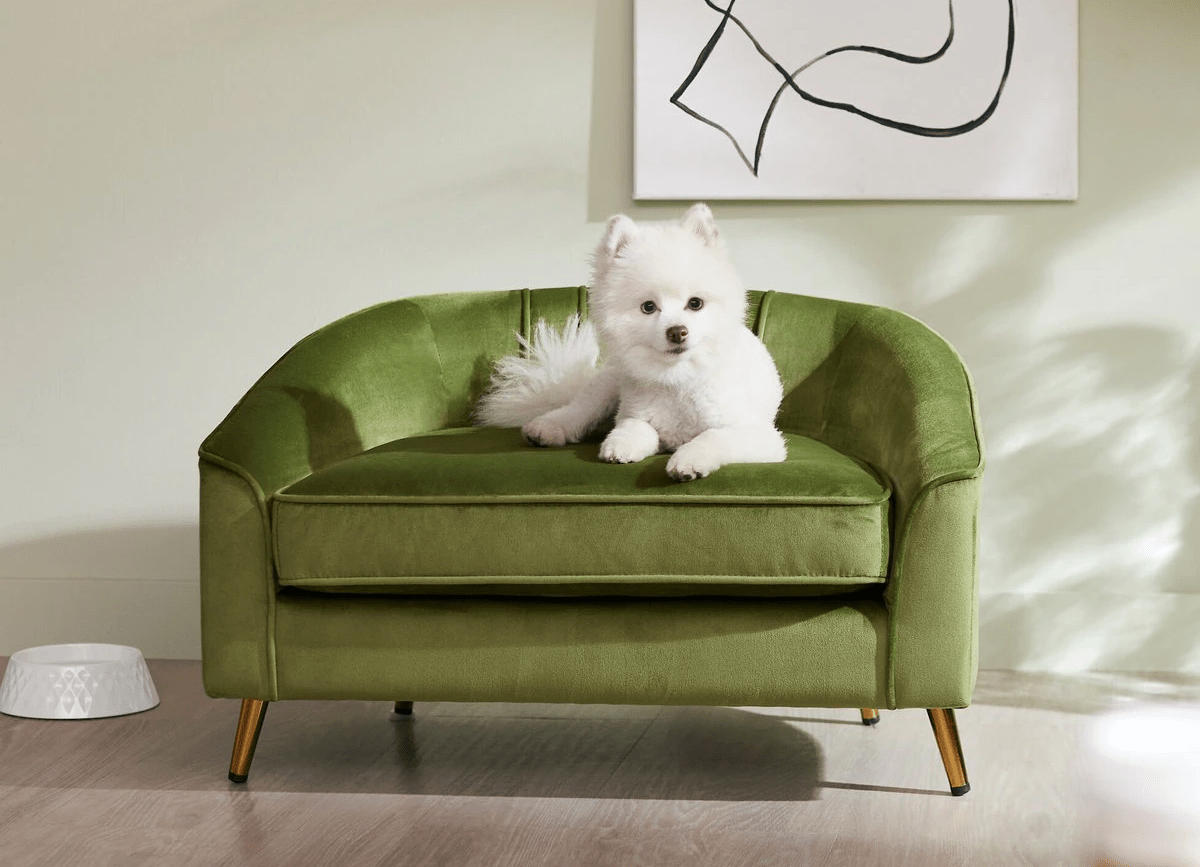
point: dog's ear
(699, 219)
(619, 232)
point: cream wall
(187, 188)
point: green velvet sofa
(360, 539)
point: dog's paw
(620, 453)
(688, 464)
(540, 432)
(623, 450)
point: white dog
(677, 363)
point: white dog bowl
(77, 681)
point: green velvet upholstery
(727, 652)
(360, 540)
(480, 506)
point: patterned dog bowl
(77, 681)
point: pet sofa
(360, 539)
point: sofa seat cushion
(479, 510)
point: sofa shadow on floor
(687, 754)
(476, 750)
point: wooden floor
(344, 783)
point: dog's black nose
(676, 334)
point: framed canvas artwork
(856, 99)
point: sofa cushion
(479, 510)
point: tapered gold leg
(403, 708)
(946, 731)
(870, 716)
(246, 739)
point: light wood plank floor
(344, 783)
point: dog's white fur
(710, 396)
(553, 368)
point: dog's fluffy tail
(553, 367)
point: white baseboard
(1086, 631)
(160, 618)
(1053, 632)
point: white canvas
(856, 99)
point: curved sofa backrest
(420, 363)
(876, 384)
(803, 334)
(471, 331)
(393, 370)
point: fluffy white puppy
(677, 363)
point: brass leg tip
(959, 791)
(870, 721)
(238, 778)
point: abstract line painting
(856, 99)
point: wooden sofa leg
(249, 726)
(870, 716)
(945, 730)
(403, 708)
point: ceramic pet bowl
(77, 681)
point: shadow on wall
(1091, 504)
(1073, 320)
(1077, 322)
(122, 585)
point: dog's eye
(695, 303)
(648, 307)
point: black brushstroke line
(789, 82)
(933, 132)
(727, 14)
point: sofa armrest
(364, 380)
(901, 399)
